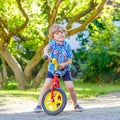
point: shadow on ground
(108, 113)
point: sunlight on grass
(34, 94)
(83, 90)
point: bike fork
(55, 84)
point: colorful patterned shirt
(62, 53)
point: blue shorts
(66, 77)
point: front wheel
(56, 106)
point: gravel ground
(105, 107)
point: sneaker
(38, 108)
(78, 108)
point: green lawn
(83, 90)
(89, 90)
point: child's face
(59, 36)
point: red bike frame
(55, 84)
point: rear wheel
(56, 106)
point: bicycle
(54, 100)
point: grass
(83, 90)
(89, 90)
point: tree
(5, 37)
(99, 61)
(52, 11)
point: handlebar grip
(45, 57)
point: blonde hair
(55, 28)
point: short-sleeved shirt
(61, 52)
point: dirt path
(106, 107)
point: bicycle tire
(54, 108)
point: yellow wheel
(56, 106)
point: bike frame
(55, 84)
(54, 100)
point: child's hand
(46, 57)
(49, 59)
(62, 65)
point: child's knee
(46, 86)
(70, 89)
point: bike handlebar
(54, 61)
(45, 57)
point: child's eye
(57, 33)
(61, 31)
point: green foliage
(11, 86)
(98, 60)
(116, 13)
(24, 45)
(93, 61)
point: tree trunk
(34, 61)
(5, 76)
(19, 74)
(40, 76)
(1, 80)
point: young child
(61, 50)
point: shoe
(38, 108)
(78, 108)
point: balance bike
(54, 100)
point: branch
(4, 39)
(90, 19)
(48, 8)
(65, 15)
(54, 12)
(3, 26)
(12, 33)
(91, 7)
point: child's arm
(68, 62)
(46, 49)
(46, 52)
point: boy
(61, 50)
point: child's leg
(70, 87)
(71, 90)
(46, 86)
